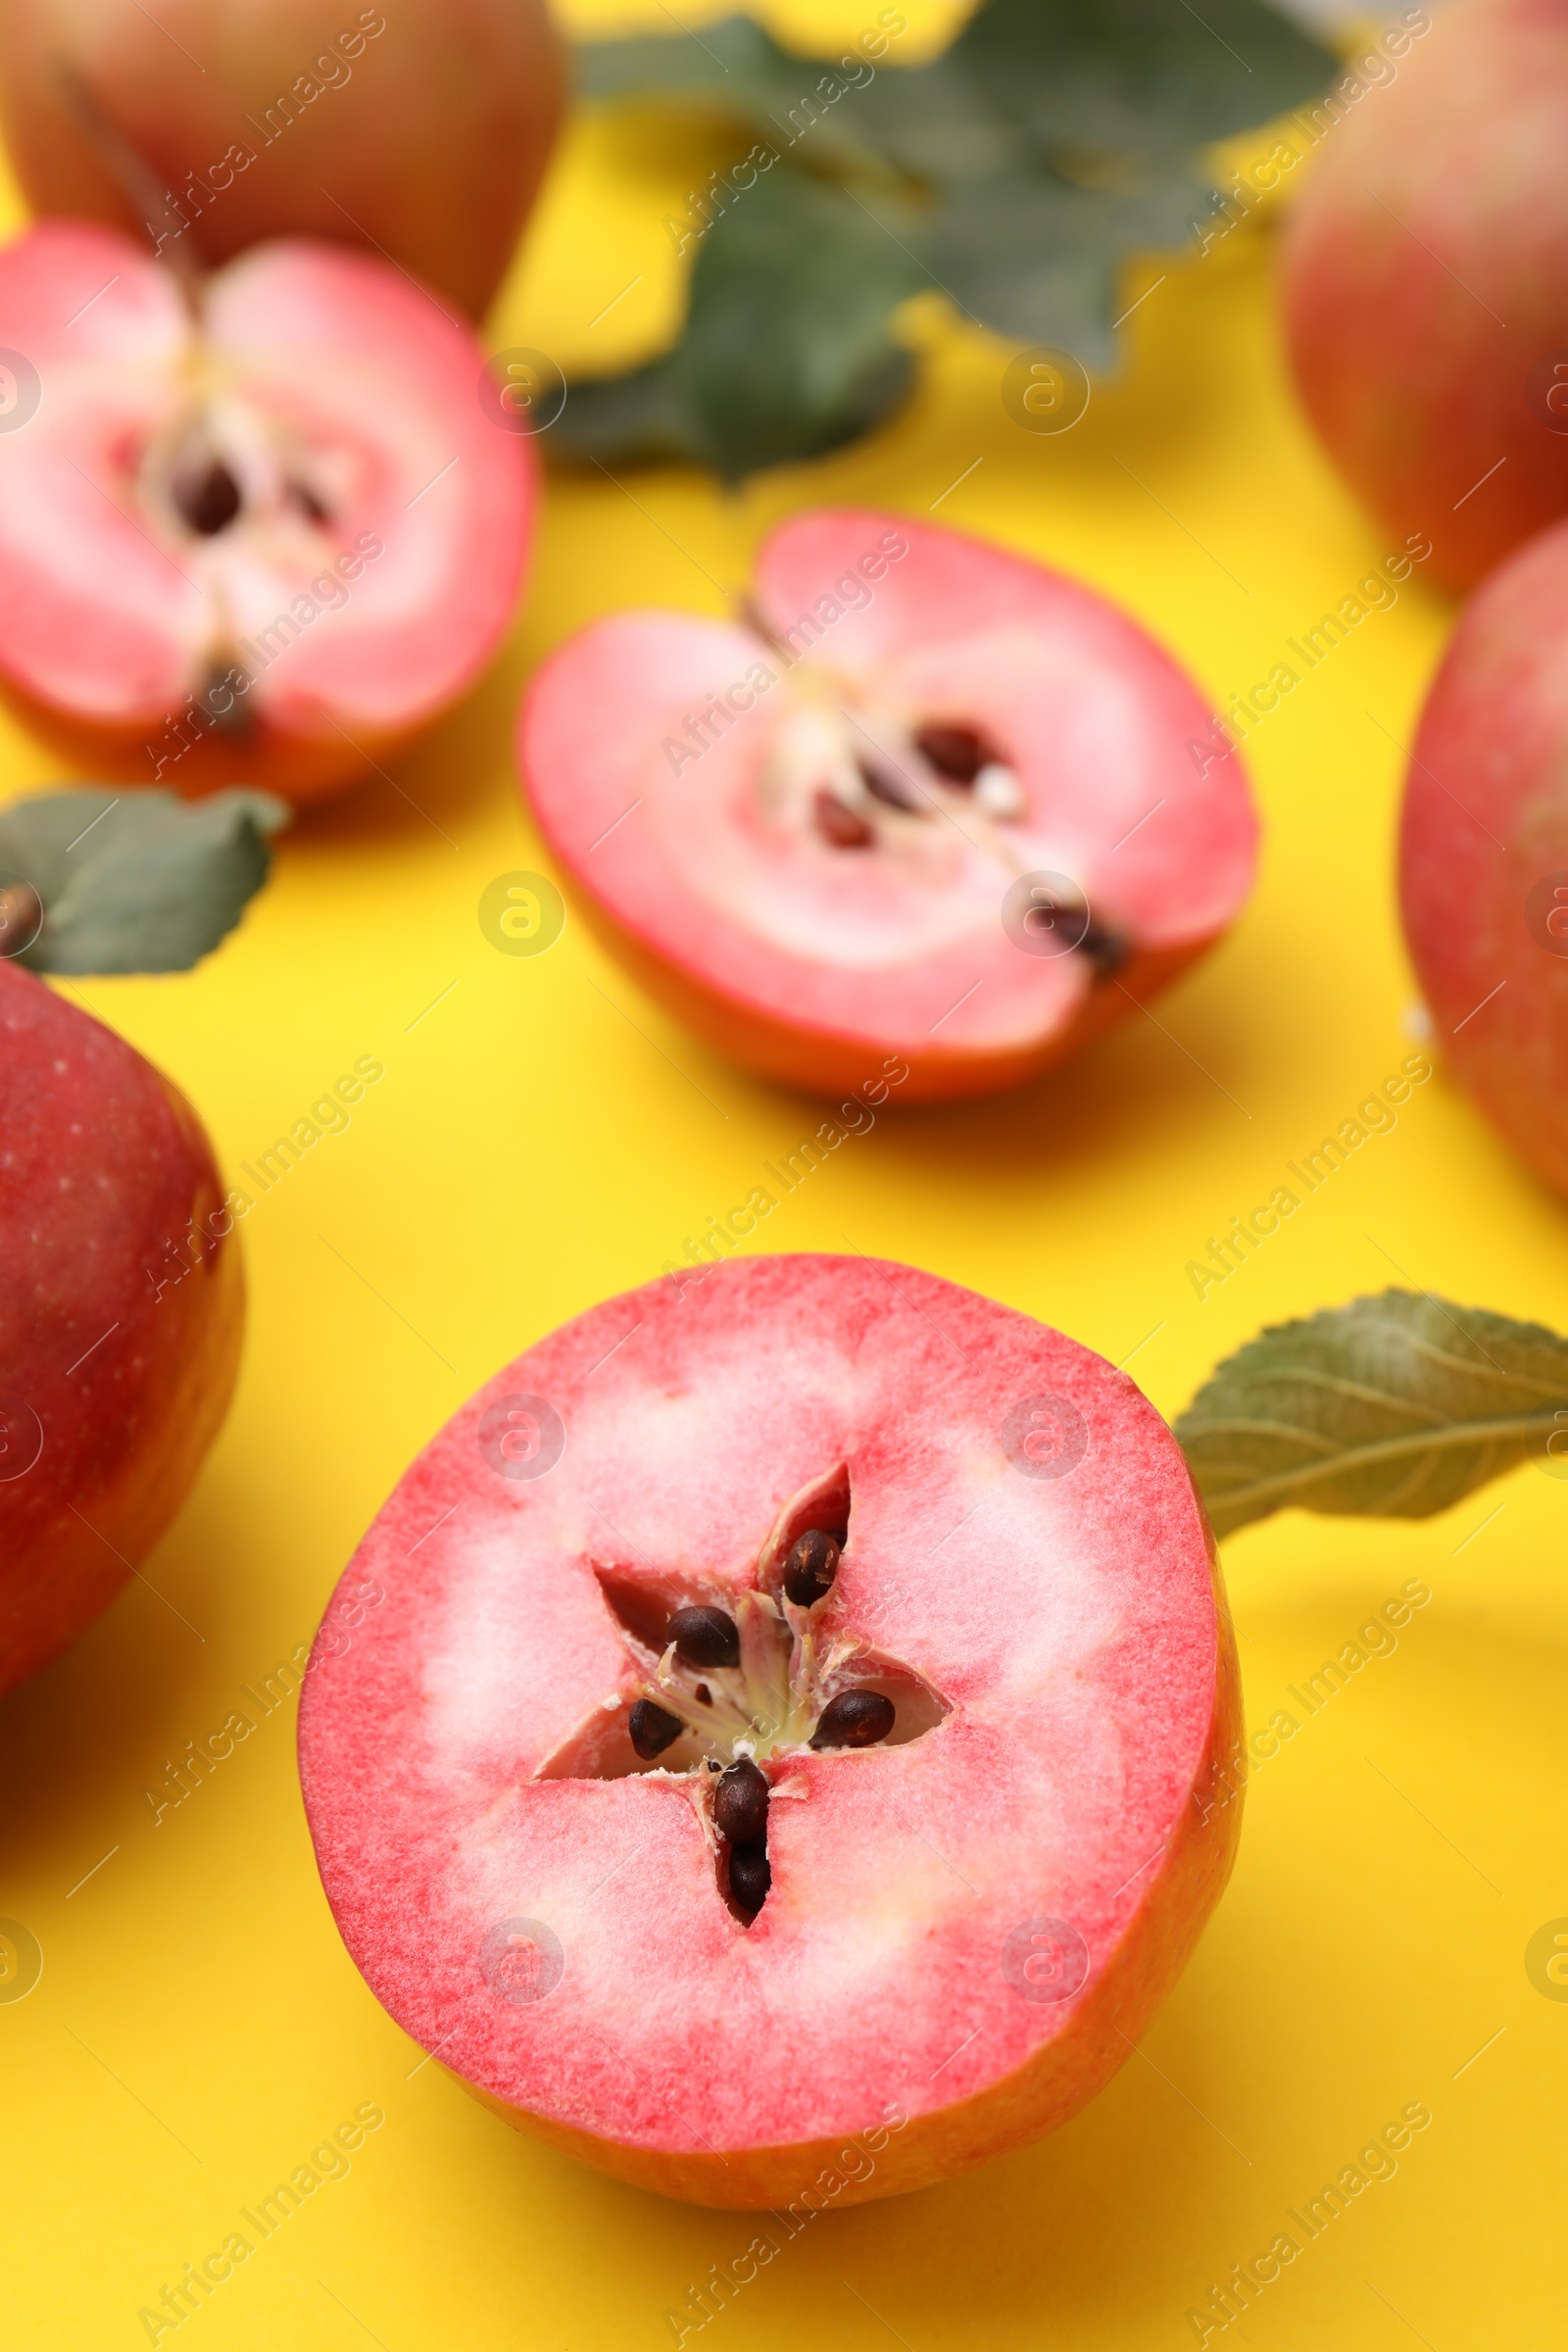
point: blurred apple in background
(1484, 853)
(1426, 284)
(422, 134)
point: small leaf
(1392, 1408)
(1022, 77)
(1038, 258)
(1131, 74)
(1050, 140)
(787, 349)
(137, 881)
(733, 66)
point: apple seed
(958, 752)
(839, 824)
(854, 1719)
(811, 1566)
(704, 1638)
(210, 499)
(739, 1803)
(750, 1876)
(652, 1729)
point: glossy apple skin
(1483, 836)
(426, 141)
(1425, 285)
(126, 1362)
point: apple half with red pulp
(926, 799)
(259, 527)
(796, 1713)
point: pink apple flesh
(970, 1920)
(725, 797)
(261, 545)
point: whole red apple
(790, 1757)
(1426, 285)
(1484, 853)
(120, 1308)
(421, 132)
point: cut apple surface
(929, 800)
(798, 1710)
(263, 540)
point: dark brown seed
(704, 1638)
(955, 752)
(810, 1568)
(210, 499)
(750, 1878)
(854, 1719)
(839, 824)
(1107, 950)
(739, 1803)
(887, 785)
(652, 1729)
(20, 917)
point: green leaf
(733, 66)
(734, 62)
(736, 68)
(137, 881)
(1392, 1408)
(1052, 139)
(787, 349)
(1138, 74)
(1039, 257)
(1117, 75)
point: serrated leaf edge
(1233, 1508)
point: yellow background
(545, 1137)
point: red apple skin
(820, 1063)
(1485, 825)
(301, 771)
(429, 145)
(1426, 282)
(103, 1166)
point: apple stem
(138, 182)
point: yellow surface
(543, 1137)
